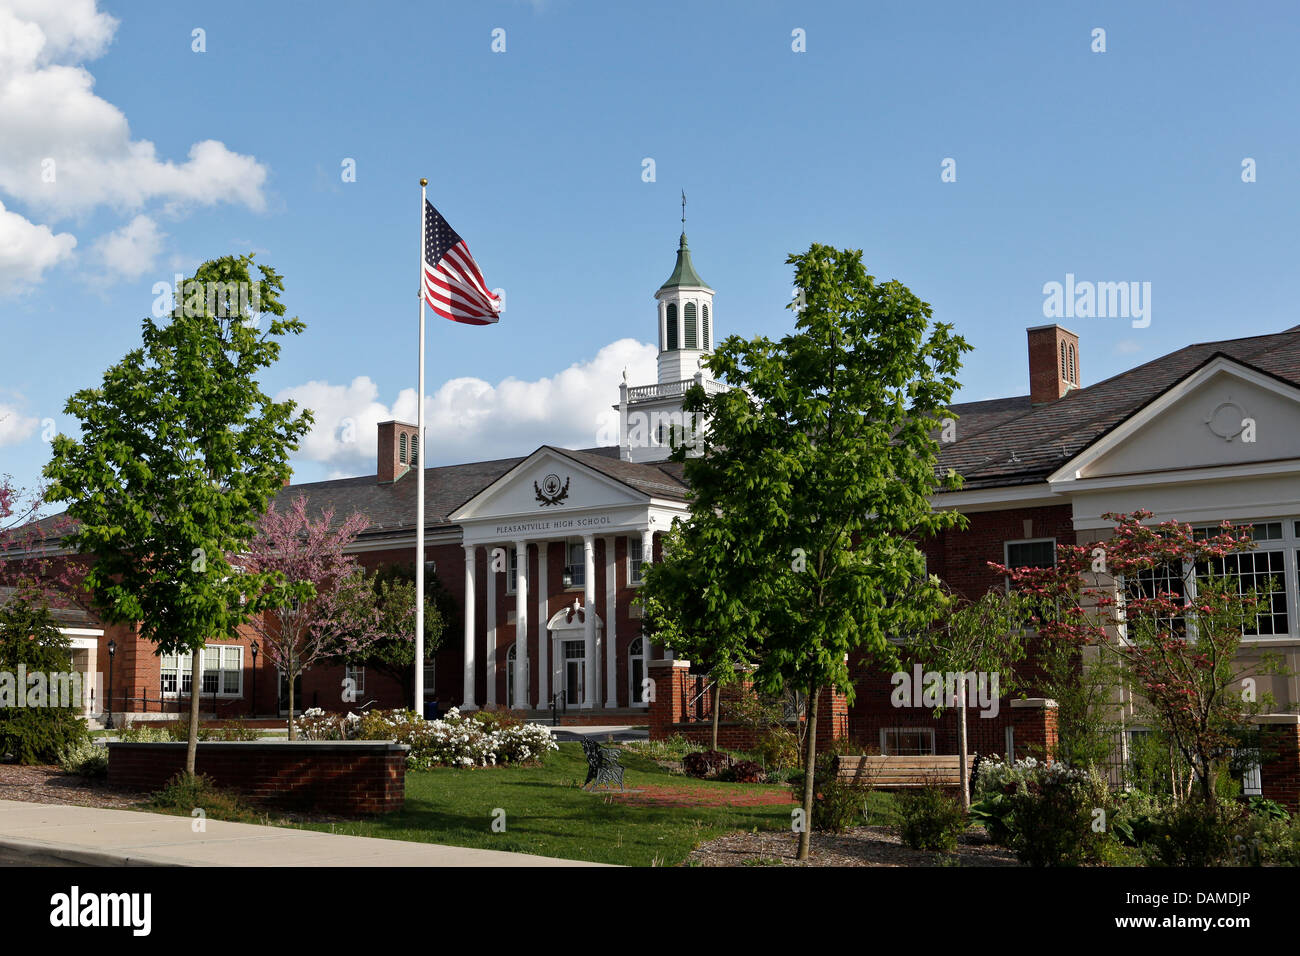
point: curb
(38, 853)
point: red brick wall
(961, 557)
(679, 708)
(1280, 775)
(350, 778)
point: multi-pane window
(221, 672)
(634, 560)
(1163, 580)
(1262, 571)
(575, 566)
(907, 741)
(357, 675)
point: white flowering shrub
(452, 741)
(998, 776)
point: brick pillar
(1280, 747)
(1034, 723)
(832, 716)
(668, 700)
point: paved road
(36, 834)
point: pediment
(1223, 415)
(548, 483)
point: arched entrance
(573, 655)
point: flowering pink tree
(1164, 604)
(336, 615)
(32, 557)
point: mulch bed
(700, 797)
(51, 785)
(859, 846)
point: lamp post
(253, 709)
(112, 649)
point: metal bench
(602, 765)
(898, 770)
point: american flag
(453, 285)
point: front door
(298, 703)
(575, 660)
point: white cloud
(27, 250)
(469, 419)
(65, 151)
(14, 427)
(131, 251)
(48, 111)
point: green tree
(678, 597)
(179, 455)
(37, 728)
(392, 649)
(811, 477)
(981, 638)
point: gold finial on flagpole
(424, 182)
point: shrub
(316, 724)
(144, 733)
(1267, 840)
(747, 771)
(837, 804)
(1194, 835)
(85, 758)
(706, 763)
(1044, 811)
(184, 794)
(932, 819)
(777, 748)
(1261, 806)
(497, 719)
(30, 638)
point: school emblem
(551, 492)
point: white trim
(1069, 472)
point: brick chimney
(399, 450)
(1053, 363)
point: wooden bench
(894, 771)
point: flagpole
(419, 489)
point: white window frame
(886, 731)
(512, 569)
(357, 674)
(230, 661)
(579, 570)
(634, 580)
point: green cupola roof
(684, 275)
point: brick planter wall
(352, 778)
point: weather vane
(683, 207)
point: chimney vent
(399, 450)
(1053, 363)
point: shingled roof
(391, 507)
(1010, 441)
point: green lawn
(548, 815)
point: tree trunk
(717, 708)
(961, 742)
(809, 763)
(196, 686)
(292, 734)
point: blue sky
(1117, 166)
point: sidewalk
(37, 834)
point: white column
(490, 626)
(589, 692)
(543, 637)
(610, 641)
(522, 699)
(647, 555)
(467, 697)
